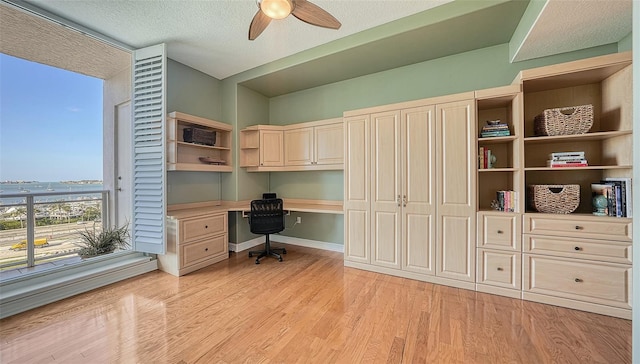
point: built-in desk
(197, 233)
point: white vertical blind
(148, 108)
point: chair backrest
(267, 216)
(269, 196)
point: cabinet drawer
(199, 251)
(601, 283)
(499, 231)
(202, 226)
(502, 269)
(596, 227)
(600, 250)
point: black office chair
(267, 217)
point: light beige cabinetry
(578, 261)
(184, 156)
(395, 228)
(499, 258)
(604, 82)
(195, 239)
(261, 147)
(317, 144)
(357, 189)
(456, 189)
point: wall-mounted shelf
(185, 156)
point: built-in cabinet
(316, 145)
(189, 156)
(261, 146)
(196, 238)
(578, 261)
(397, 161)
(419, 204)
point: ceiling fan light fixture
(276, 9)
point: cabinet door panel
(385, 188)
(357, 227)
(271, 148)
(455, 258)
(456, 161)
(385, 238)
(357, 231)
(418, 243)
(418, 187)
(298, 147)
(329, 147)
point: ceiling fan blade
(313, 14)
(258, 24)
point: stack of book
(567, 159)
(486, 159)
(494, 128)
(506, 201)
(618, 194)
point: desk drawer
(199, 251)
(202, 226)
(499, 231)
(600, 250)
(499, 268)
(585, 226)
(600, 283)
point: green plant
(103, 242)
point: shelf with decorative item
(198, 144)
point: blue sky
(50, 123)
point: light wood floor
(307, 309)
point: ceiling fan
(280, 9)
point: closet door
(386, 199)
(357, 181)
(456, 203)
(418, 187)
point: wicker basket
(555, 199)
(564, 121)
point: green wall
(625, 44)
(479, 69)
(241, 107)
(193, 92)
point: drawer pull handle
(500, 231)
(578, 280)
(206, 226)
(206, 249)
(500, 269)
(577, 248)
(578, 227)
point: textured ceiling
(29, 37)
(211, 35)
(565, 26)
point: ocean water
(57, 188)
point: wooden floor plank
(307, 309)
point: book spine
(568, 165)
(481, 158)
(567, 154)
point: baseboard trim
(287, 240)
(26, 296)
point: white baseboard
(26, 294)
(287, 240)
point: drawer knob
(577, 248)
(578, 280)
(578, 227)
(206, 249)
(500, 269)
(500, 231)
(206, 226)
